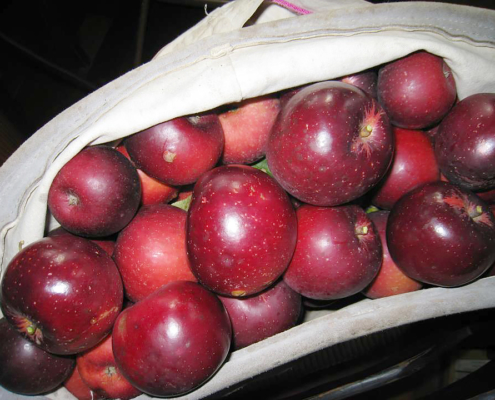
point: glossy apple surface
(338, 252)
(258, 317)
(177, 152)
(465, 143)
(172, 341)
(366, 81)
(330, 145)
(414, 164)
(107, 244)
(151, 250)
(441, 234)
(63, 293)
(96, 193)
(416, 91)
(246, 128)
(25, 368)
(390, 279)
(241, 230)
(99, 371)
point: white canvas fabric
(221, 61)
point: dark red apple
(152, 190)
(390, 279)
(416, 91)
(25, 368)
(366, 81)
(414, 164)
(177, 152)
(241, 230)
(172, 341)
(96, 193)
(78, 388)
(107, 244)
(465, 143)
(441, 234)
(246, 128)
(63, 293)
(330, 145)
(258, 317)
(151, 250)
(99, 371)
(487, 195)
(338, 252)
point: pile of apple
(206, 234)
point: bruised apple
(441, 234)
(96, 193)
(62, 293)
(330, 145)
(172, 341)
(241, 230)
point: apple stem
(361, 230)
(73, 200)
(366, 131)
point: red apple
(390, 279)
(441, 234)
(152, 190)
(63, 293)
(366, 81)
(25, 368)
(414, 164)
(78, 388)
(416, 91)
(151, 251)
(99, 371)
(465, 143)
(172, 341)
(96, 193)
(338, 252)
(258, 317)
(246, 128)
(331, 144)
(488, 196)
(107, 244)
(241, 230)
(177, 152)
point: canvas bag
(219, 62)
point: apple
(172, 341)
(62, 293)
(241, 230)
(96, 193)
(366, 81)
(331, 144)
(25, 368)
(78, 388)
(416, 91)
(99, 371)
(414, 164)
(246, 127)
(152, 190)
(338, 252)
(177, 152)
(441, 234)
(107, 244)
(151, 251)
(487, 195)
(263, 315)
(465, 143)
(390, 280)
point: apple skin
(258, 317)
(441, 234)
(151, 250)
(107, 244)
(241, 230)
(62, 293)
(172, 341)
(366, 81)
(417, 90)
(152, 190)
(414, 164)
(99, 371)
(25, 368)
(465, 143)
(78, 388)
(96, 193)
(247, 127)
(178, 151)
(330, 145)
(338, 252)
(390, 280)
